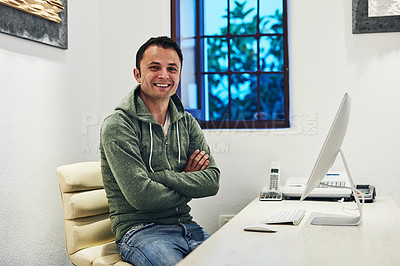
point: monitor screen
(331, 147)
(325, 160)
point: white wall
(49, 94)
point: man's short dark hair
(163, 41)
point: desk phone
(272, 192)
(368, 192)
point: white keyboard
(285, 216)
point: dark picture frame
(27, 26)
(364, 24)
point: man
(154, 160)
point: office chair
(88, 236)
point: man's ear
(136, 74)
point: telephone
(272, 192)
(368, 192)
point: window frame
(200, 73)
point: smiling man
(154, 160)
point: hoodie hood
(134, 106)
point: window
(235, 71)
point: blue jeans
(154, 244)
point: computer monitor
(327, 156)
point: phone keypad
(273, 183)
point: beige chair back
(88, 236)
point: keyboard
(285, 217)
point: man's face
(159, 73)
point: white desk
(374, 242)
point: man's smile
(162, 85)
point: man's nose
(163, 73)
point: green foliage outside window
(243, 62)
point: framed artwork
(372, 16)
(43, 21)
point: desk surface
(376, 241)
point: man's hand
(197, 161)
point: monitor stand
(342, 220)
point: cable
(344, 208)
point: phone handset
(272, 192)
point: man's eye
(173, 69)
(153, 67)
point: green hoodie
(143, 170)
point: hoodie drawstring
(179, 144)
(151, 148)
(151, 145)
